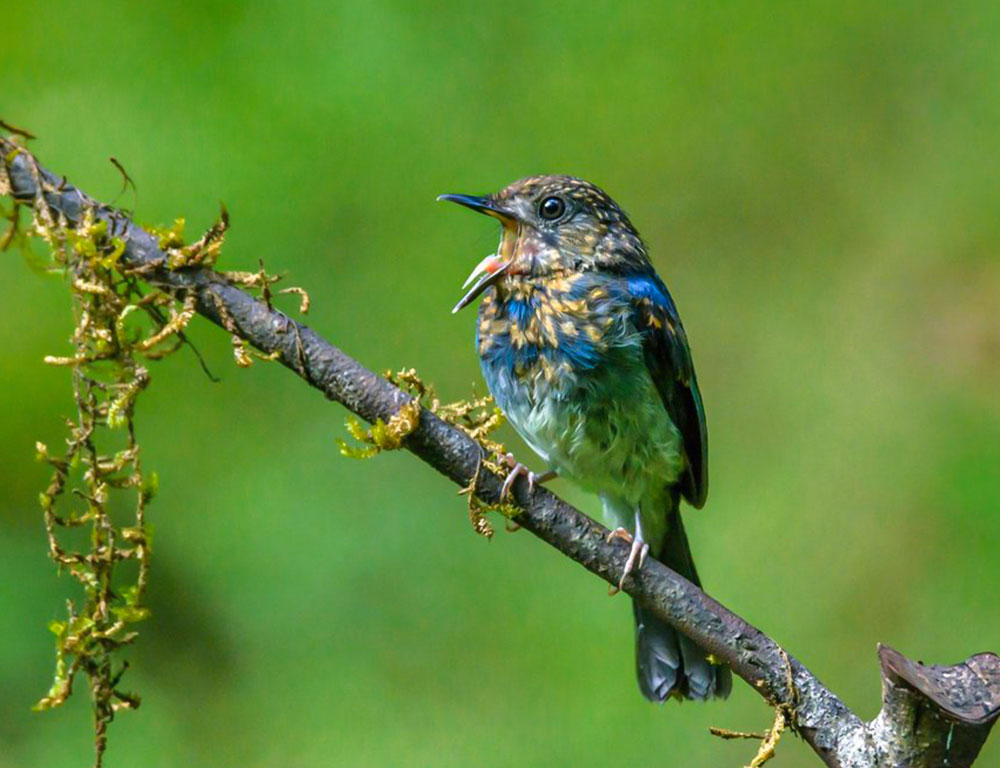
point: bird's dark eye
(552, 208)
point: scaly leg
(638, 552)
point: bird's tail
(666, 662)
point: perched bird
(584, 352)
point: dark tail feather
(666, 662)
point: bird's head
(552, 225)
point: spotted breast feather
(566, 359)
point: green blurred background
(818, 184)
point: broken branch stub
(935, 715)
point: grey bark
(931, 716)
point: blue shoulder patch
(649, 286)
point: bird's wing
(668, 359)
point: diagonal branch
(930, 714)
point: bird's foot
(619, 533)
(638, 553)
(517, 469)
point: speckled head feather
(553, 226)
(568, 224)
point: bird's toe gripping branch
(517, 469)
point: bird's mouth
(494, 266)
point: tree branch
(931, 716)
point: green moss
(478, 418)
(117, 328)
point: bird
(582, 348)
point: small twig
(784, 716)
(126, 182)
(183, 338)
(784, 713)
(15, 130)
(725, 733)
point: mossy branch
(955, 706)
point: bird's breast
(564, 361)
(551, 337)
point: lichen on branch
(100, 474)
(478, 418)
(95, 505)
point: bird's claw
(619, 533)
(517, 469)
(638, 553)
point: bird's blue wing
(668, 358)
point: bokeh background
(818, 184)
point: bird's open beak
(493, 267)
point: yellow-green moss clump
(478, 418)
(96, 502)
